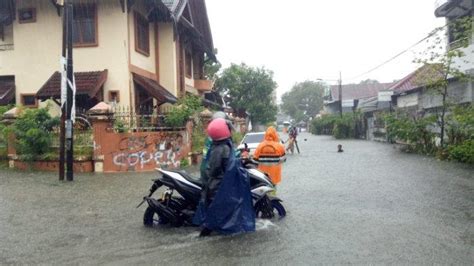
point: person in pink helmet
(217, 158)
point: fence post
(101, 117)
(9, 118)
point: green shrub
(198, 138)
(185, 108)
(323, 125)
(463, 152)
(33, 131)
(413, 131)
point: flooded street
(370, 204)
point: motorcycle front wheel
(267, 209)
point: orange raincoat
(270, 155)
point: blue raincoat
(231, 211)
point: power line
(399, 54)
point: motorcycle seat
(191, 179)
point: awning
(87, 83)
(154, 89)
(454, 8)
(7, 92)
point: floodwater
(370, 204)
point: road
(370, 204)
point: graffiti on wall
(163, 150)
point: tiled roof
(7, 92)
(199, 16)
(87, 83)
(154, 89)
(417, 78)
(358, 91)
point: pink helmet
(218, 129)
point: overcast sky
(309, 39)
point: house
(452, 10)
(142, 54)
(351, 95)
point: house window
(27, 15)
(85, 24)
(2, 33)
(114, 96)
(29, 100)
(188, 63)
(142, 36)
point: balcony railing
(6, 47)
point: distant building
(351, 95)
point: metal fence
(145, 119)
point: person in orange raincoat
(270, 155)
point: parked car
(252, 140)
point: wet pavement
(370, 204)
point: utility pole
(70, 82)
(340, 93)
(62, 127)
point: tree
(304, 100)
(249, 88)
(444, 63)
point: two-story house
(454, 10)
(140, 53)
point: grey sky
(309, 39)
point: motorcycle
(177, 209)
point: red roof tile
(87, 83)
(417, 78)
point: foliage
(251, 89)
(185, 108)
(211, 69)
(198, 137)
(413, 131)
(463, 152)
(120, 126)
(443, 65)
(344, 127)
(184, 162)
(237, 137)
(323, 125)
(33, 130)
(305, 100)
(3, 132)
(339, 127)
(460, 124)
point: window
(29, 100)
(188, 62)
(27, 15)
(142, 37)
(85, 25)
(114, 96)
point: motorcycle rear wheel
(151, 218)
